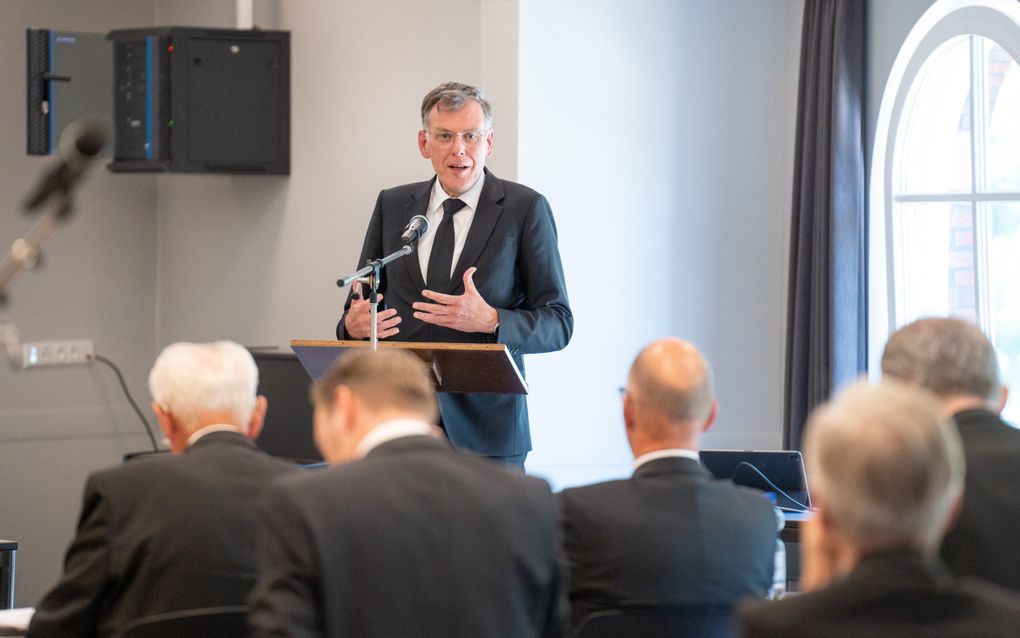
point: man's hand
(358, 321)
(820, 559)
(467, 312)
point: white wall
(662, 133)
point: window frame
(997, 20)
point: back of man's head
(384, 382)
(947, 356)
(193, 380)
(885, 465)
(669, 397)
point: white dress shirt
(461, 223)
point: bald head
(669, 393)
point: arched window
(945, 190)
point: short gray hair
(389, 378)
(191, 379)
(452, 96)
(944, 355)
(887, 465)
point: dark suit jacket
(891, 595)
(416, 540)
(671, 535)
(512, 241)
(161, 534)
(984, 541)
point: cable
(804, 508)
(127, 393)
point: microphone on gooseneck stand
(418, 226)
(80, 142)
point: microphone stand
(25, 254)
(370, 275)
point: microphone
(79, 144)
(418, 226)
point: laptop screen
(778, 473)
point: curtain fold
(826, 320)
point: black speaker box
(201, 100)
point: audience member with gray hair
(886, 476)
(670, 537)
(956, 361)
(171, 532)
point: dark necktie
(441, 257)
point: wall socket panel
(56, 353)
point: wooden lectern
(456, 367)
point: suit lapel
(486, 216)
(417, 204)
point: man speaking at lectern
(487, 270)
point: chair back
(695, 621)
(214, 622)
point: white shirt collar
(471, 197)
(390, 430)
(209, 429)
(666, 454)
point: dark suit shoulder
(724, 494)
(408, 461)
(889, 601)
(228, 458)
(594, 490)
(515, 189)
(406, 190)
(986, 431)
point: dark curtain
(826, 324)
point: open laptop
(779, 473)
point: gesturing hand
(358, 321)
(467, 312)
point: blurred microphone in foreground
(80, 142)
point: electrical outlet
(56, 353)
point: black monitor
(287, 431)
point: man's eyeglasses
(469, 138)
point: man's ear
(166, 422)
(258, 417)
(421, 145)
(629, 418)
(1003, 398)
(348, 404)
(712, 413)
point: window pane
(1002, 104)
(1004, 300)
(934, 261)
(933, 144)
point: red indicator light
(170, 49)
